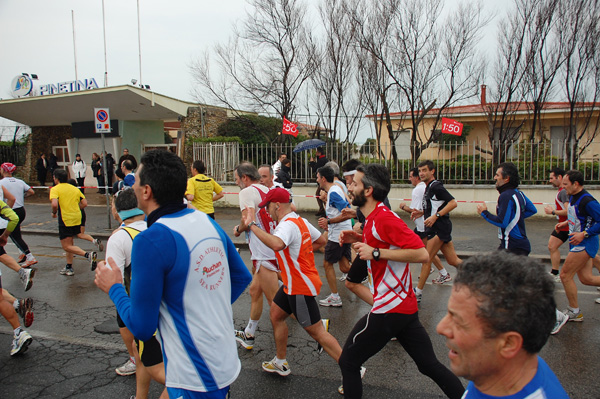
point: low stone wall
(539, 195)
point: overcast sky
(36, 36)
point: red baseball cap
(277, 194)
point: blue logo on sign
(102, 116)
(98, 126)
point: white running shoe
(363, 370)
(127, 368)
(21, 343)
(331, 301)
(561, 320)
(272, 367)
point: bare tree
(431, 62)
(579, 23)
(266, 64)
(507, 92)
(337, 96)
(544, 58)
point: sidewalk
(470, 234)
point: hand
(311, 159)
(548, 209)
(349, 237)
(108, 275)
(3, 240)
(323, 223)
(481, 208)
(349, 212)
(54, 215)
(414, 215)
(560, 225)
(430, 220)
(323, 195)
(236, 231)
(357, 228)
(364, 251)
(576, 238)
(250, 216)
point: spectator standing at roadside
(277, 165)
(98, 172)
(110, 170)
(19, 189)
(41, 167)
(79, 168)
(284, 176)
(202, 190)
(126, 157)
(52, 165)
(127, 169)
(315, 164)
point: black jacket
(284, 177)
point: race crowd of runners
(173, 273)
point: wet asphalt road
(69, 359)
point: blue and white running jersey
(186, 273)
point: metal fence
(456, 163)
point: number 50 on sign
(450, 126)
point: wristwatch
(437, 214)
(252, 223)
(586, 234)
(376, 254)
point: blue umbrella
(308, 145)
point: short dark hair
(511, 171)
(166, 174)
(247, 169)
(351, 165)
(557, 171)
(430, 165)
(327, 173)
(266, 165)
(72, 182)
(286, 162)
(61, 175)
(127, 164)
(321, 150)
(376, 176)
(414, 171)
(575, 176)
(514, 294)
(199, 166)
(125, 200)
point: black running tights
(374, 331)
(16, 236)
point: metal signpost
(102, 125)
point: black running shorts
(150, 351)
(561, 235)
(358, 271)
(334, 252)
(304, 307)
(441, 228)
(70, 231)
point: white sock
(251, 328)
(30, 256)
(16, 304)
(279, 361)
(336, 295)
(418, 291)
(574, 310)
(17, 331)
(444, 272)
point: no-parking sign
(101, 120)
